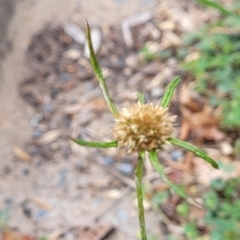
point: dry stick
(126, 181)
(117, 201)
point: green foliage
(217, 70)
(183, 209)
(222, 206)
(4, 216)
(191, 230)
(223, 203)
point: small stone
(27, 212)
(41, 214)
(7, 169)
(125, 168)
(132, 61)
(167, 25)
(8, 201)
(48, 108)
(113, 194)
(63, 175)
(176, 155)
(37, 134)
(73, 54)
(157, 92)
(26, 171)
(226, 148)
(64, 77)
(108, 160)
(80, 165)
(89, 86)
(35, 120)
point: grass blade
(98, 73)
(218, 7)
(159, 168)
(95, 144)
(198, 152)
(169, 92)
(141, 98)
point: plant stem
(138, 180)
(159, 168)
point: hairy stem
(139, 189)
(159, 168)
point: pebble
(80, 165)
(7, 169)
(125, 168)
(157, 92)
(108, 160)
(27, 212)
(89, 86)
(226, 148)
(26, 171)
(132, 61)
(73, 54)
(37, 133)
(48, 108)
(41, 214)
(176, 155)
(63, 175)
(64, 77)
(35, 120)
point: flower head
(143, 127)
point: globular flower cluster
(143, 127)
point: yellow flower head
(143, 127)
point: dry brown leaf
(41, 203)
(201, 119)
(14, 235)
(49, 137)
(55, 235)
(22, 154)
(205, 173)
(191, 100)
(95, 104)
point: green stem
(159, 168)
(98, 73)
(139, 189)
(141, 98)
(95, 144)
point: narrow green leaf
(198, 152)
(98, 73)
(218, 7)
(169, 92)
(95, 144)
(159, 168)
(141, 98)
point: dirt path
(28, 18)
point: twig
(125, 192)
